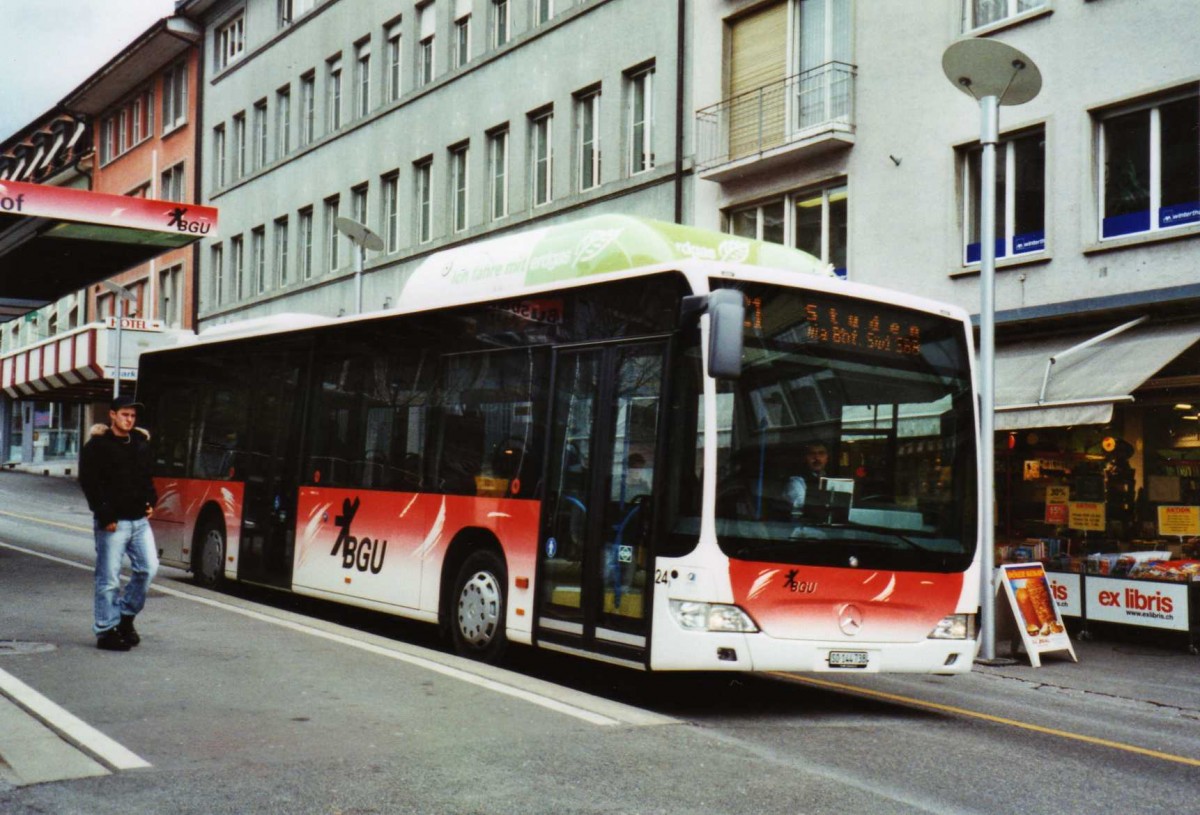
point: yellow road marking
(44, 521)
(987, 717)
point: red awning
(56, 240)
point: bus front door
(595, 534)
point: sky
(50, 46)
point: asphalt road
(255, 702)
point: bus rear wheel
(477, 608)
(208, 564)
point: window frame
(1155, 213)
(395, 62)
(174, 97)
(333, 95)
(501, 13)
(391, 211)
(283, 121)
(305, 238)
(229, 41)
(541, 161)
(498, 172)
(279, 253)
(332, 206)
(423, 199)
(587, 113)
(1007, 240)
(640, 133)
(261, 134)
(460, 214)
(362, 75)
(462, 41)
(308, 108)
(834, 190)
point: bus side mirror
(726, 318)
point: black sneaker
(127, 631)
(111, 640)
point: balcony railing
(799, 108)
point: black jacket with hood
(114, 473)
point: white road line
(625, 714)
(75, 730)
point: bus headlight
(695, 616)
(954, 627)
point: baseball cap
(124, 402)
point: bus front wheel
(208, 567)
(478, 607)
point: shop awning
(1082, 386)
(56, 240)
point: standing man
(114, 472)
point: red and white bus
(582, 438)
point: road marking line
(21, 517)
(1049, 731)
(582, 713)
(74, 729)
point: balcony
(789, 120)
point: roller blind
(757, 67)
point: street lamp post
(122, 295)
(363, 239)
(994, 74)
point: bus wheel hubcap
(210, 558)
(479, 609)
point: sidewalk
(61, 468)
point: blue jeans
(132, 538)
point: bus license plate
(848, 659)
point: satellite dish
(982, 68)
(359, 234)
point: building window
(1020, 197)
(543, 10)
(362, 79)
(1150, 168)
(127, 126)
(358, 204)
(308, 108)
(239, 146)
(541, 158)
(306, 243)
(462, 41)
(500, 23)
(458, 187)
(331, 234)
(174, 100)
(333, 96)
(498, 173)
(280, 252)
(236, 260)
(170, 296)
(426, 27)
(391, 211)
(394, 58)
(978, 13)
(283, 121)
(220, 285)
(260, 134)
(173, 188)
(587, 138)
(219, 156)
(423, 199)
(230, 42)
(289, 10)
(258, 258)
(813, 221)
(641, 121)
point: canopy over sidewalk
(55, 240)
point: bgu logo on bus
(357, 553)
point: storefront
(1098, 469)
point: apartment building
(432, 123)
(829, 125)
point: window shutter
(757, 68)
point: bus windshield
(849, 438)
